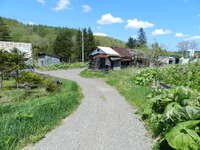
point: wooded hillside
(43, 38)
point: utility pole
(82, 46)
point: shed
(46, 59)
(126, 56)
(104, 58)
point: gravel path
(104, 121)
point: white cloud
(193, 38)
(62, 4)
(135, 23)
(100, 34)
(161, 32)
(30, 23)
(109, 19)
(180, 35)
(86, 8)
(41, 1)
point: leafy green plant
(184, 137)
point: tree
(63, 45)
(4, 31)
(186, 45)
(142, 40)
(158, 50)
(5, 64)
(90, 43)
(77, 42)
(17, 62)
(132, 43)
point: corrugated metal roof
(124, 52)
(108, 50)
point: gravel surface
(104, 121)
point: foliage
(4, 31)
(64, 66)
(183, 136)
(28, 122)
(109, 42)
(31, 77)
(142, 40)
(63, 45)
(132, 43)
(187, 75)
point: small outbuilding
(104, 58)
(126, 56)
(44, 59)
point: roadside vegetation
(27, 114)
(167, 99)
(64, 66)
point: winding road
(104, 121)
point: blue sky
(165, 21)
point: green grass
(28, 122)
(88, 73)
(63, 66)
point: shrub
(31, 77)
(52, 87)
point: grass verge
(63, 66)
(28, 122)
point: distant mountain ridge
(45, 35)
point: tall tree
(142, 40)
(4, 31)
(77, 47)
(90, 43)
(132, 43)
(63, 45)
(17, 60)
(5, 64)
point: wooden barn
(114, 58)
(104, 58)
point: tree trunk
(1, 80)
(17, 74)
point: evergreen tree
(78, 46)
(4, 31)
(132, 43)
(90, 43)
(142, 40)
(17, 60)
(63, 45)
(5, 64)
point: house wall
(23, 47)
(48, 60)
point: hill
(44, 36)
(109, 41)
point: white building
(23, 47)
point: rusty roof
(124, 52)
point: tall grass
(28, 122)
(64, 66)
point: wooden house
(46, 59)
(114, 58)
(104, 58)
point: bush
(52, 87)
(31, 77)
